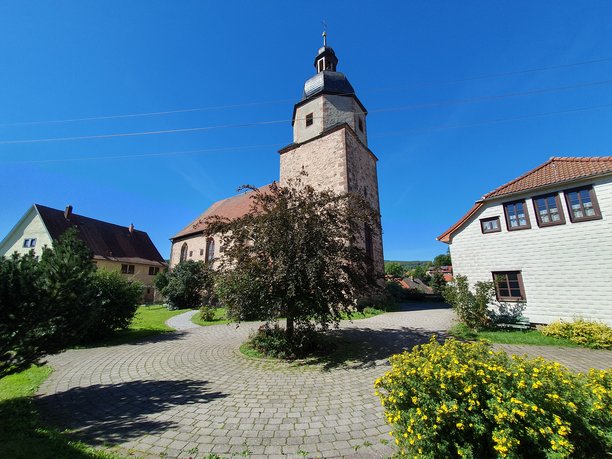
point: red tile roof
(233, 207)
(556, 170)
(105, 240)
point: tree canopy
(299, 254)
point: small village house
(545, 238)
(114, 247)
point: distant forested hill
(409, 264)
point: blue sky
(462, 97)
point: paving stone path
(182, 321)
(191, 392)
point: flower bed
(464, 400)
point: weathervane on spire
(324, 32)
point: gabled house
(114, 247)
(545, 238)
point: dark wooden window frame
(573, 219)
(153, 270)
(519, 277)
(517, 228)
(542, 224)
(309, 119)
(127, 269)
(489, 219)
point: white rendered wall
(566, 269)
(31, 227)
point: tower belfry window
(309, 119)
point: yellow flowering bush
(580, 331)
(464, 400)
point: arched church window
(183, 252)
(210, 250)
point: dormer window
(309, 119)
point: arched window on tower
(183, 252)
(369, 249)
(210, 249)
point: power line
(272, 122)
(136, 115)
(145, 155)
(383, 134)
(269, 102)
(494, 121)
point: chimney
(68, 212)
(131, 228)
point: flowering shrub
(464, 400)
(580, 331)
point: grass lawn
(220, 318)
(148, 321)
(22, 434)
(511, 336)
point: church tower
(330, 142)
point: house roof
(105, 240)
(231, 208)
(556, 170)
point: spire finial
(324, 32)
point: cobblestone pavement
(182, 321)
(575, 358)
(191, 392)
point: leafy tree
(118, 300)
(69, 286)
(444, 259)
(298, 253)
(23, 323)
(394, 269)
(46, 305)
(189, 285)
(437, 283)
(420, 272)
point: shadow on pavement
(364, 347)
(112, 413)
(422, 306)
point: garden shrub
(464, 400)
(207, 313)
(118, 299)
(583, 332)
(272, 341)
(471, 308)
(189, 285)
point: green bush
(118, 300)
(207, 313)
(272, 341)
(189, 285)
(464, 400)
(395, 269)
(583, 332)
(471, 308)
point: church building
(330, 144)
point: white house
(114, 247)
(546, 238)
